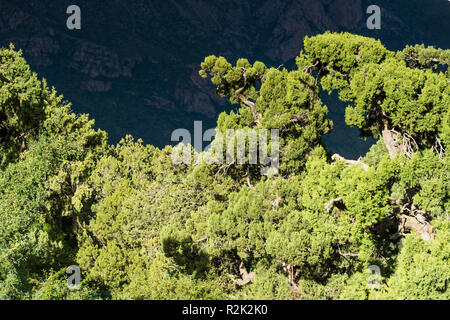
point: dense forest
(141, 226)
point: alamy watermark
(236, 146)
(74, 280)
(374, 21)
(74, 20)
(374, 281)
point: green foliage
(271, 99)
(383, 91)
(422, 269)
(141, 226)
(161, 280)
(43, 190)
(269, 284)
(422, 57)
(41, 199)
(425, 181)
(23, 96)
(338, 56)
(55, 288)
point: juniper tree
(387, 96)
(271, 98)
(141, 226)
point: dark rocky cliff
(133, 65)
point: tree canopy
(141, 226)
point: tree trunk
(392, 141)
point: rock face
(94, 60)
(133, 65)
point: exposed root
(409, 145)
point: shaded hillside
(134, 64)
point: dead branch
(409, 145)
(423, 227)
(289, 271)
(397, 142)
(332, 203)
(200, 240)
(412, 218)
(439, 149)
(247, 175)
(349, 254)
(252, 107)
(245, 276)
(224, 168)
(249, 184)
(350, 162)
(277, 201)
(298, 118)
(308, 69)
(245, 101)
